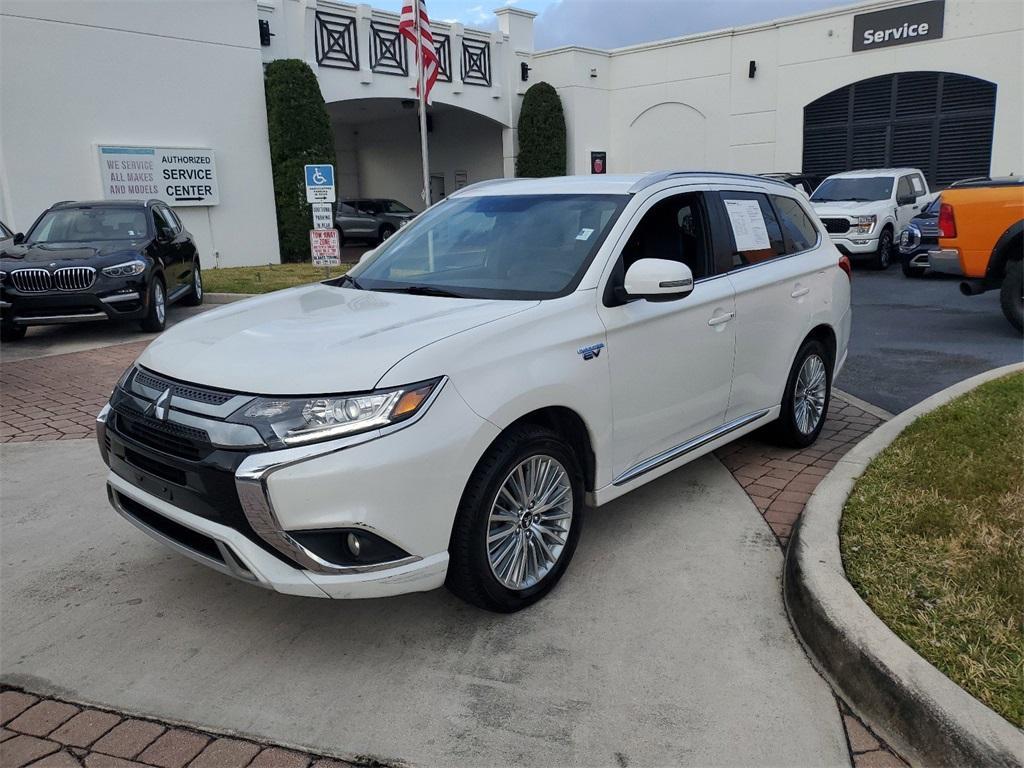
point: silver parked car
(374, 219)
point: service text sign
(322, 218)
(899, 26)
(323, 244)
(176, 175)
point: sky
(614, 23)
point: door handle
(720, 319)
(800, 292)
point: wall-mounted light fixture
(752, 69)
(265, 33)
(524, 71)
(593, 71)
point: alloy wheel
(197, 283)
(529, 522)
(809, 394)
(159, 301)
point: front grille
(836, 226)
(31, 280)
(74, 278)
(174, 439)
(196, 394)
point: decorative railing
(336, 41)
(337, 44)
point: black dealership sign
(898, 26)
(599, 162)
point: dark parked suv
(124, 260)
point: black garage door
(936, 121)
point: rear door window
(754, 229)
(797, 227)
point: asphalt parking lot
(912, 338)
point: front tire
(1011, 294)
(195, 296)
(808, 394)
(518, 522)
(12, 332)
(156, 306)
(883, 256)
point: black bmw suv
(83, 261)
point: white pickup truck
(864, 211)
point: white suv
(444, 412)
(865, 211)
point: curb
(227, 298)
(923, 714)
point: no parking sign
(323, 244)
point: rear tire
(195, 296)
(488, 516)
(808, 394)
(1011, 294)
(883, 256)
(156, 307)
(12, 332)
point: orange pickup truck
(981, 236)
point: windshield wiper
(351, 281)
(423, 290)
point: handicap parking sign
(320, 184)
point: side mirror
(367, 255)
(658, 280)
(19, 238)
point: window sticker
(584, 234)
(747, 225)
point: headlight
(864, 224)
(127, 269)
(308, 419)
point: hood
(45, 253)
(317, 339)
(841, 208)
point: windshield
(81, 225)
(858, 189)
(393, 206)
(501, 247)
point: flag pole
(420, 60)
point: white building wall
(689, 102)
(75, 74)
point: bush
(541, 133)
(300, 133)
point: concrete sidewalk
(666, 643)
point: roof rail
(479, 185)
(658, 176)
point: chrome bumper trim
(945, 260)
(682, 449)
(59, 319)
(133, 296)
(251, 483)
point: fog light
(354, 544)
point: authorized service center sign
(176, 175)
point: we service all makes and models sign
(899, 26)
(176, 175)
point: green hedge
(541, 134)
(300, 133)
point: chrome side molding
(682, 449)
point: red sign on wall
(599, 162)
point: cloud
(615, 23)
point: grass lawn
(272, 277)
(933, 540)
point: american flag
(407, 27)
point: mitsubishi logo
(160, 407)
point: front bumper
(946, 260)
(856, 246)
(123, 302)
(252, 506)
